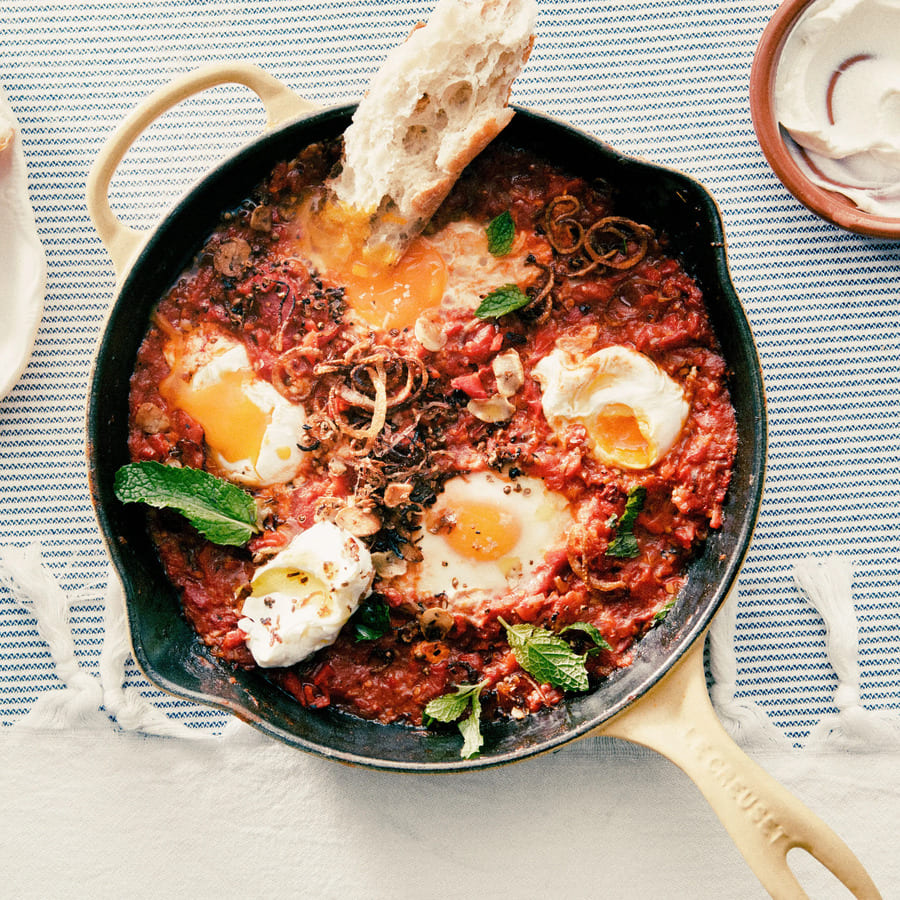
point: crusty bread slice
(438, 101)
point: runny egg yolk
(250, 430)
(384, 293)
(477, 530)
(233, 424)
(617, 431)
(386, 296)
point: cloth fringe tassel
(747, 723)
(93, 701)
(828, 583)
(86, 700)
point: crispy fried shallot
(539, 309)
(613, 241)
(576, 548)
(341, 398)
(609, 242)
(564, 232)
(373, 380)
(292, 372)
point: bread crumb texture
(439, 99)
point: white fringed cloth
(94, 751)
(85, 700)
(827, 582)
(88, 700)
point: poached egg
(484, 535)
(452, 267)
(633, 412)
(251, 431)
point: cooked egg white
(472, 271)
(452, 267)
(303, 596)
(485, 534)
(251, 430)
(633, 411)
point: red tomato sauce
(291, 321)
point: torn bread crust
(439, 99)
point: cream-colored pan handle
(677, 719)
(280, 102)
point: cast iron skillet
(674, 714)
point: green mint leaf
(470, 729)
(633, 505)
(501, 232)
(222, 512)
(371, 620)
(591, 631)
(501, 301)
(624, 545)
(546, 656)
(662, 613)
(449, 707)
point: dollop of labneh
(837, 93)
(304, 595)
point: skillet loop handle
(280, 102)
(677, 719)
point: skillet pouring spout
(659, 700)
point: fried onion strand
(613, 241)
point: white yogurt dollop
(304, 595)
(837, 93)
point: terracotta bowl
(829, 205)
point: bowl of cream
(825, 101)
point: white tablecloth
(99, 811)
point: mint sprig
(501, 301)
(661, 613)
(624, 545)
(501, 233)
(449, 708)
(546, 656)
(600, 642)
(222, 512)
(371, 620)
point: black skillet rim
(172, 657)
